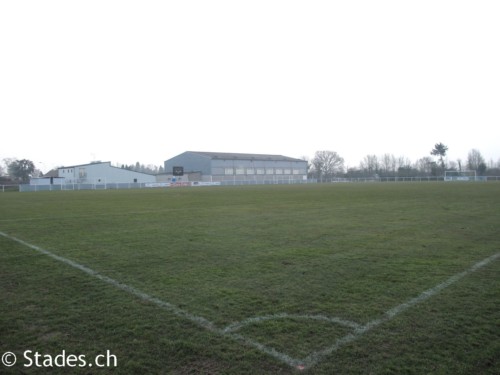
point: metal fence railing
(7, 188)
(110, 186)
(404, 179)
(84, 186)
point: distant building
(46, 180)
(101, 173)
(49, 178)
(221, 166)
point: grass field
(317, 279)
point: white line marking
(285, 358)
(136, 292)
(205, 323)
(300, 364)
(238, 325)
(315, 357)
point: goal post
(460, 175)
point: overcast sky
(126, 81)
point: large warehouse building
(234, 167)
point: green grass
(349, 251)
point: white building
(46, 181)
(102, 173)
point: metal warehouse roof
(239, 156)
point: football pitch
(317, 279)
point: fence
(406, 179)
(86, 186)
(6, 188)
(355, 180)
(109, 186)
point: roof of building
(52, 173)
(83, 165)
(108, 163)
(239, 156)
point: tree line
(329, 164)
(138, 167)
(324, 165)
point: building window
(228, 171)
(288, 171)
(296, 171)
(269, 171)
(250, 171)
(261, 171)
(279, 171)
(240, 170)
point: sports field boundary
(229, 331)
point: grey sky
(128, 81)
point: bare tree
(475, 161)
(327, 164)
(389, 164)
(370, 164)
(424, 165)
(404, 163)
